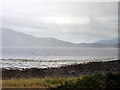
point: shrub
(98, 81)
(112, 80)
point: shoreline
(75, 70)
(62, 65)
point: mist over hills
(113, 41)
(11, 38)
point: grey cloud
(102, 17)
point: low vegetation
(97, 81)
(36, 82)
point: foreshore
(65, 71)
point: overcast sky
(76, 22)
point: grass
(109, 80)
(36, 82)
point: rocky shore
(66, 71)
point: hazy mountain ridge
(113, 41)
(17, 39)
(12, 38)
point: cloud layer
(75, 22)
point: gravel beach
(65, 71)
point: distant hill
(11, 38)
(113, 41)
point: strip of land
(76, 70)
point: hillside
(11, 38)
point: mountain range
(112, 41)
(11, 38)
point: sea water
(54, 57)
